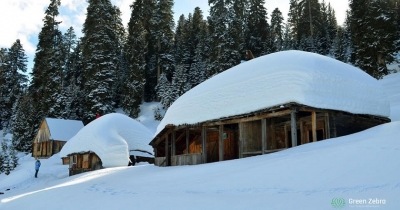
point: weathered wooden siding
(189, 159)
(160, 161)
(250, 137)
(79, 163)
(43, 147)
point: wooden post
(286, 137)
(241, 128)
(166, 151)
(273, 138)
(187, 141)
(173, 152)
(334, 132)
(327, 128)
(204, 143)
(293, 127)
(314, 126)
(264, 135)
(221, 142)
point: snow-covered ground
(360, 167)
(391, 84)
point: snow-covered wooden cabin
(112, 140)
(267, 104)
(52, 136)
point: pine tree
(160, 46)
(323, 43)
(293, 36)
(47, 64)
(258, 29)
(165, 91)
(220, 37)
(135, 51)
(277, 29)
(15, 81)
(25, 124)
(332, 27)
(3, 87)
(310, 28)
(7, 166)
(199, 33)
(373, 30)
(99, 56)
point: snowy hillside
(354, 168)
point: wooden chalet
(52, 136)
(268, 104)
(255, 133)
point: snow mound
(111, 137)
(62, 129)
(279, 78)
(391, 85)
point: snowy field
(358, 168)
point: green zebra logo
(338, 203)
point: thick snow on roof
(391, 85)
(110, 137)
(279, 78)
(61, 129)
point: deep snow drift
(391, 85)
(279, 78)
(111, 137)
(361, 166)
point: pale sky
(22, 19)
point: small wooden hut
(52, 136)
(123, 141)
(83, 162)
(291, 98)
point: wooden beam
(187, 141)
(314, 126)
(286, 136)
(240, 132)
(161, 138)
(221, 142)
(166, 151)
(327, 128)
(263, 135)
(248, 119)
(293, 123)
(173, 150)
(273, 138)
(204, 143)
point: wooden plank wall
(250, 136)
(190, 159)
(159, 161)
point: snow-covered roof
(280, 78)
(61, 129)
(110, 137)
(391, 84)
